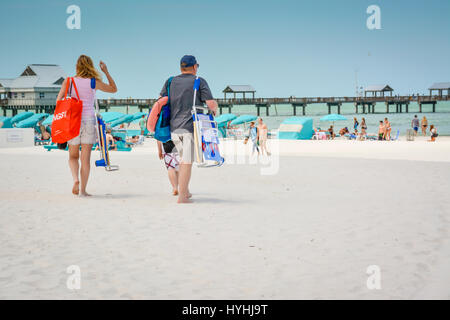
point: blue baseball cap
(188, 61)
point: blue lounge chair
(396, 136)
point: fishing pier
(364, 105)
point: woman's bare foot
(76, 188)
(85, 194)
(184, 200)
(175, 192)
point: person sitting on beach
(424, 125)
(387, 130)
(331, 132)
(44, 133)
(133, 139)
(181, 122)
(86, 76)
(415, 124)
(381, 131)
(168, 152)
(434, 133)
(343, 131)
(110, 140)
(253, 134)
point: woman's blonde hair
(85, 68)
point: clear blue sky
(282, 47)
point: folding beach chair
(396, 136)
(206, 136)
(102, 144)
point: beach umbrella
(333, 117)
(243, 119)
(6, 122)
(223, 119)
(111, 116)
(48, 121)
(32, 121)
(137, 116)
(21, 116)
(125, 119)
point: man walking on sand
(181, 122)
(415, 124)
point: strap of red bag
(76, 90)
(67, 86)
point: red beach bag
(67, 117)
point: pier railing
(48, 105)
(290, 100)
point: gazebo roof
(239, 88)
(37, 76)
(440, 86)
(378, 88)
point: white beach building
(36, 89)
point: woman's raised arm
(100, 85)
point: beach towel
(67, 117)
(162, 127)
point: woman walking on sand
(262, 136)
(87, 81)
(424, 125)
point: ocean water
(399, 121)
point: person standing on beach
(381, 131)
(424, 125)
(415, 124)
(253, 134)
(262, 136)
(387, 129)
(85, 72)
(142, 125)
(355, 125)
(181, 122)
(363, 128)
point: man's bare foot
(175, 192)
(184, 200)
(85, 194)
(76, 188)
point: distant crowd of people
(384, 129)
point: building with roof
(36, 88)
(243, 89)
(440, 87)
(375, 89)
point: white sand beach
(308, 229)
